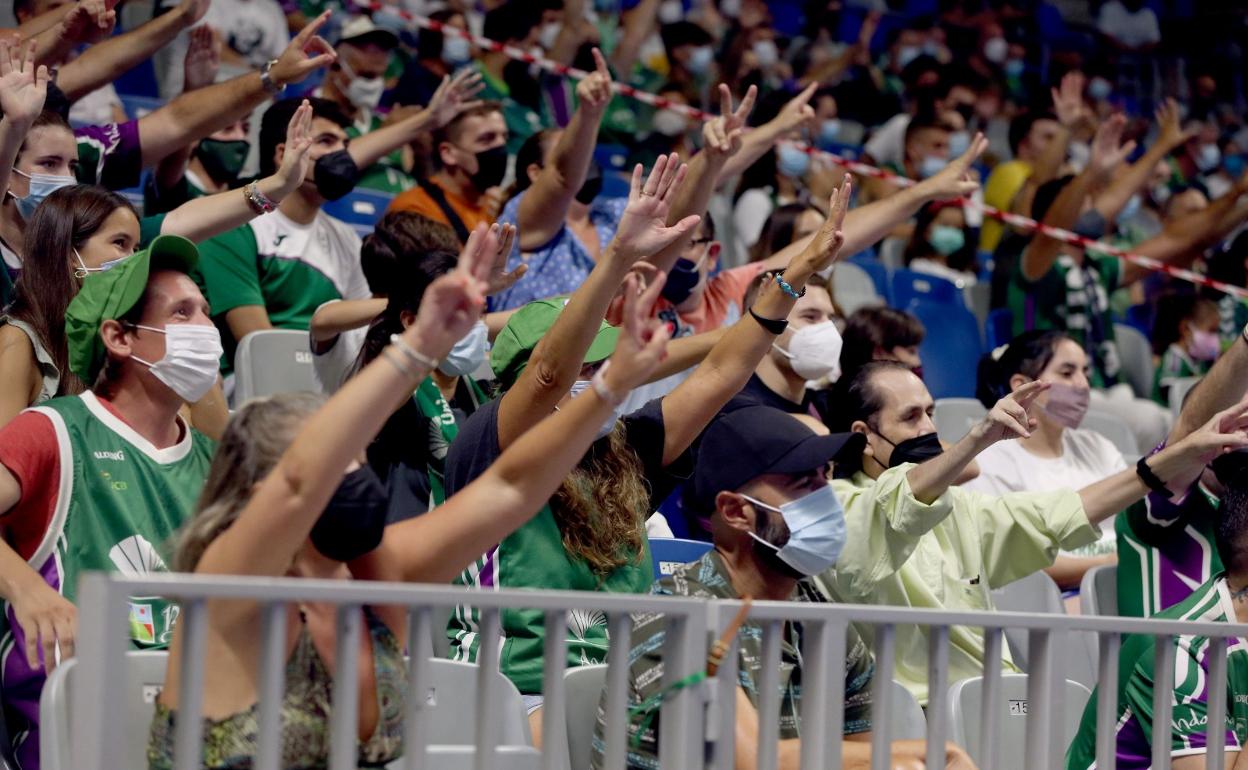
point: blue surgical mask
(1207, 159)
(41, 186)
(1234, 165)
(816, 525)
(1100, 89)
(931, 166)
(829, 131)
(792, 162)
(469, 353)
(83, 271)
(700, 60)
(959, 142)
(1015, 67)
(946, 239)
(456, 50)
(1129, 209)
(907, 54)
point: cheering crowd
(535, 363)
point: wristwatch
(266, 78)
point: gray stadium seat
(1137, 359)
(853, 288)
(583, 689)
(1098, 593)
(453, 694)
(906, 721)
(1038, 593)
(145, 676)
(460, 757)
(965, 700)
(1114, 429)
(955, 416)
(1178, 391)
(273, 361)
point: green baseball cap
(112, 293)
(526, 328)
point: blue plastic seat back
(911, 286)
(951, 349)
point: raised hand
(89, 22)
(955, 180)
(454, 95)
(1170, 125)
(643, 338)
(23, 86)
(1009, 417)
(307, 53)
(594, 92)
(1108, 152)
(1068, 103)
(826, 245)
(643, 230)
(1226, 432)
(797, 112)
(454, 302)
(203, 58)
(295, 161)
(722, 135)
(500, 280)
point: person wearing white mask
(761, 477)
(103, 479)
(356, 82)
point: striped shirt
(1211, 602)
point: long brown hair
(46, 285)
(602, 505)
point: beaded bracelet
(787, 288)
(258, 201)
(413, 355)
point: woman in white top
(1058, 455)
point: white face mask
(814, 351)
(671, 11)
(669, 122)
(83, 271)
(766, 52)
(455, 50)
(579, 387)
(467, 354)
(549, 34)
(364, 93)
(191, 361)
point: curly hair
(602, 505)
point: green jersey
(1073, 298)
(1134, 737)
(1166, 550)
(386, 175)
(1176, 364)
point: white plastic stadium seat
(954, 417)
(966, 723)
(907, 721)
(853, 288)
(583, 690)
(1178, 392)
(273, 361)
(1137, 359)
(1038, 593)
(144, 678)
(1098, 593)
(1114, 429)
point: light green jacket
(946, 555)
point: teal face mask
(946, 239)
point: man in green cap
(103, 480)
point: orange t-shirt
(723, 294)
(419, 201)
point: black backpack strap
(435, 192)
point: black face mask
(355, 518)
(335, 175)
(491, 168)
(914, 450)
(223, 160)
(1231, 468)
(592, 186)
(682, 279)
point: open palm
(454, 302)
(643, 229)
(23, 86)
(454, 95)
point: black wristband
(1150, 479)
(770, 324)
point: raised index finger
(309, 31)
(1029, 391)
(600, 63)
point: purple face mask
(1067, 404)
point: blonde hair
(255, 439)
(602, 505)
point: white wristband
(599, 384)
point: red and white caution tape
(861, 169)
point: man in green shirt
(517, 23)
(762, 477)
(921, 542)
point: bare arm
(23, 89)
(334, 318)
(1071, 112)
(454, 95)
(18, 373)
(199, 68)
(544, 207)
(210, 414)
(87, 21)
(1222, 387)
(1183, 239)
(555, 362)
(202, 218)
(1110, 202)
(690, 407)
(637, 25)
(245, 319)
(190, 117)
(756, 143)
(105, 61)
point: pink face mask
(1067, 404)
(1205, 346)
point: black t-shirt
(401, 453)
(756, 393)
(476, 448)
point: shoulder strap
(435, 192)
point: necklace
(1238, 595)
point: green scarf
(442, 429)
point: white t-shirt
(255, 29)
(1131, 29)
(332, 366)
(750, 216)
(888, 142)
(1087, 457)
(96, 108)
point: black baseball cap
(1232, 468)
(740, 446)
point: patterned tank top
(232, 743)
